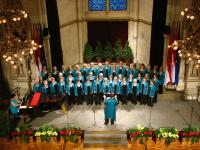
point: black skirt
(155, 97)
(143, 99)
(89, 99)
(160, 89)
(124, 99)
(150, 101)
(134, 96)
(97, 98)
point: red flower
(62, 132)
(190, 134)
(145, 133)
(18, 133)
(79, 132)
(132, 135)
(73, 131)
(150, 132)
(183, 134)
(13, 134)
(29, 132)
(196, 133)
(67, 132)
(24, 132)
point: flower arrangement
(168, 134)
(24, 133)
(140, 133)
(46, 132)
(70, 134)
(192, 134)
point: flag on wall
(168, 72)
(177, 57)
(173, 61)
(39, 56)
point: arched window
(118, 5)
(96, 5)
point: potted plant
(71, 134)
(108, 53)
(190, 135)
(140, 134)
(99, 52)
(46, 133)
(169, 135)
(127, 53)
(118, 51)
(88, 53)
(23, 133)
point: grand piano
(30, 104)
(34, 102)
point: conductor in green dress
(110, 108)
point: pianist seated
(14, 105)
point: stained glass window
(118, 4)
(97, 5)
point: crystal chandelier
(7, 16)
(15, 25)
(14, 50)
(189, 46)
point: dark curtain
(107, 31)
(4, 89)
(157, 33)
(54, 31)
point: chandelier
(189, 46)
(14, 50)
(7, 16)
(15, 26)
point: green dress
(110, 108)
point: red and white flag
(171, 63)
(37, 54)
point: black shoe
(112, 122)
(106, 122)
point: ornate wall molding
(105, 19)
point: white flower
(140, 127)
(170, 134)
(37, 134)
(43, 133)
(55, 133)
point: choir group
(91, 83)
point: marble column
(191, 83)
(133, 11)
(47, 51)
(46, 40)
(165, 53)
(82, 27)
(181, 82)
(132, 38)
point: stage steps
(102, 139)
(171, 95)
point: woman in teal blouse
(14, 105)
